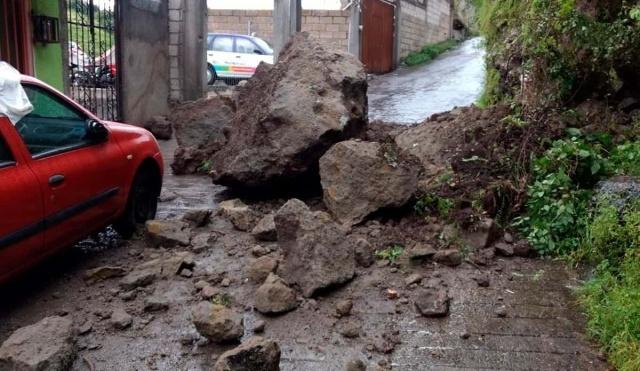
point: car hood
(129, 132)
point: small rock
(217, 323)
(482, 280)
(202, 242)
(414, 278)
(483, 235)
(46, 345)
(508, 238)
(238, 213)
(392, 294)
(209, 292)
(365, 254)
(255, 354)
(356, 365)
(167, 196)
(155, 303)
(225, 282)
(275, 297)
(265, 230)
(85, 328)
(421, 252)
(523, 249)
(201, 284)
(350, 329)
(259, 326)
(92, 276)
(450, 257)
(167, 233)
(501, 311)
(260, 268)
(465, 335)
(187, 273)
(504, 249)
(197, 218)
(120, 319)
(259, 251)
(432, 302)
(128, 295)
(343, 307)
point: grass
(392, 253)
(429, 52)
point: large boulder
(317, 252)
(167, 233)
(290, 114)
(239, 214)
(359, 178)
(254, 354)
(200, 129)
(274, 296)
(48, 345)
(217, 323)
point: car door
(21, 205)
(250, 56)
(81, 181)
(222, 57)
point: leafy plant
(434, 204)
(429, 52)
(225, 300)
(392, 253)
(205, 167)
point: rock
(450, 257)
(508, 238)
(156, 302)
(364, 253)
(167, 233)
(432, 302)
(415, 278)
(238, 213)
(120, 319)
(85, 328)
(166, 266)
(259, 326)
(482, 280)
(629, 104)
(619, 191)
(260, 268)
(217, 323)
(504, 249)
(482, 235)
(160, 127)
(265, 230)
(255, 354)
(421, 252)
(138, 278)
(209, 292)
(317, 252)
(343, 307)
(200, 129)
(350, 329)
(501, 311)
(92, 276)
(275, 297)
(202, 242)
(226, 282)
(259, 251)
(197, 218)
(523, 249)
(48, 345)
(308, 101)
(356, 365)
(359, 178)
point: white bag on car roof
(14, 102)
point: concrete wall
(423, 22)
(48, 57)
(144, 60)
(329, 26)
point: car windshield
(264, 45)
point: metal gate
(93, 56)
(378, 23)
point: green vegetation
(392, 253)
(224, 299)
(434, 204)
(429, 52)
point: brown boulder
(255, 354)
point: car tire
(211, 75)
(142, 203)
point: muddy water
(411, 94)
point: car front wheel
(142, 203)
(211, 75)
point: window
(53, 126)
(245, 46)
(210, 38)
(6, 158)
(223, 44)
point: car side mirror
(258, 51)
(96, 131)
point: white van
(234, 57)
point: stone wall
(423, 22)
(176, 37)
(330, 26)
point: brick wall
(175, 41)
(329, 26)
(423, 22)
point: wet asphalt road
(412, 94)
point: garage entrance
(93, 64)
(378, 26)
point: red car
(65, 174)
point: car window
(6, 158)
(53, 125)
(264, 45)
(210, 42)
(223, 44)
(245, 46)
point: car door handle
(238, 56)
(56, 180)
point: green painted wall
(48, 57)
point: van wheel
(211, 75)
(142, 203)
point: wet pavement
(412, 94)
